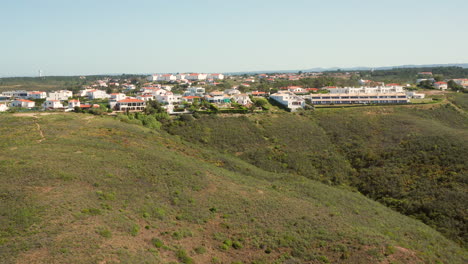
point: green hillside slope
(412, 159)
(84, 189)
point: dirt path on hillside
(35, 114)
(41, 133)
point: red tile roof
(26, 101)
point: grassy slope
(409, 158)
(98, 191)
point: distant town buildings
(185, 76)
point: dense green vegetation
(78, 188)
(409, 75)
(412, 159)
(52, 83)
(460, 100)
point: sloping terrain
(410, 158)
(84, 189)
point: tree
(454, 86)
(427, 84)
(438, 77)
(153, 107)
(260, 102)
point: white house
(181, 76)
(84, 92)
(441, 85)
(97, 94)
(217, 97)
(190, 99)
(74, 103)
(60, 95)
(23, 103)
(157, 91)
(130, 104)
(37, 95)
(196, 76)
(153, 78)
(169, 98)
(415, 95)
(289, 100)
(52, 104)
(149, 89)
(296, 89)
(195, 91)
(242, 99)
(462, 82)
(167, 77)
(146, 97)
(215, 76)
(20, 94)
(232, 91)
(3, 107)
(102, 83)
(117, 96)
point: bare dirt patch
(402, 255)
(33, 256)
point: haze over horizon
(89, 37)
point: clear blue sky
(71, 37)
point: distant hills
(358, 68)
(318, 69)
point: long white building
(366, 90)
(363, 98)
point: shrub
(104, 232)
(224, 247)
(134, 229)
(228, 242)
(200, 250)
(183, 257)
(157, 242)
(237, 245)
(91, 211)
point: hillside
(410, 158)
(83, 189)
